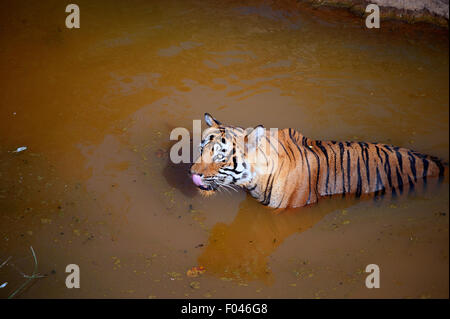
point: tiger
(285, 169)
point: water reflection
(240, 250)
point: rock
(437, 7)
(433, 11)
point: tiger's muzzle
(197, 180)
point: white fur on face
(228, 149)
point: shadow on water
(177, 175)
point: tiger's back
(315, 169)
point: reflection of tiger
(298, 170)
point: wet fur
(310, 169)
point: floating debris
(195, 285)
(195, 271)
(20, 149)
(3, 285)
(174, 275)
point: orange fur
(307, 169)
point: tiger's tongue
(197, 180)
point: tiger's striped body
(310, 169)
(292, 170)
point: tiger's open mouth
(199, 183)
(206, 188)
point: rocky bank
(433, 11)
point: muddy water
(95, 187)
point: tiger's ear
(254, 137)
(211, 121)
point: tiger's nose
(191, 172)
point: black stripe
(304, 141)
(394, 192)
(290, 134)
(289, 156)
(341, 154)
(267, 201)
(290, 149)
(412, 164)
(399, 159)
(281, 201)
(387, 167)
(324, 151)
(269, 195)
(268, 183)
(379, 155)
(358, 185)
(309, 177)
(440, 166)
(264, 202)
(365, 157)
(294, 140)
(270, 143)
(348, 171)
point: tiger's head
(224, 154)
